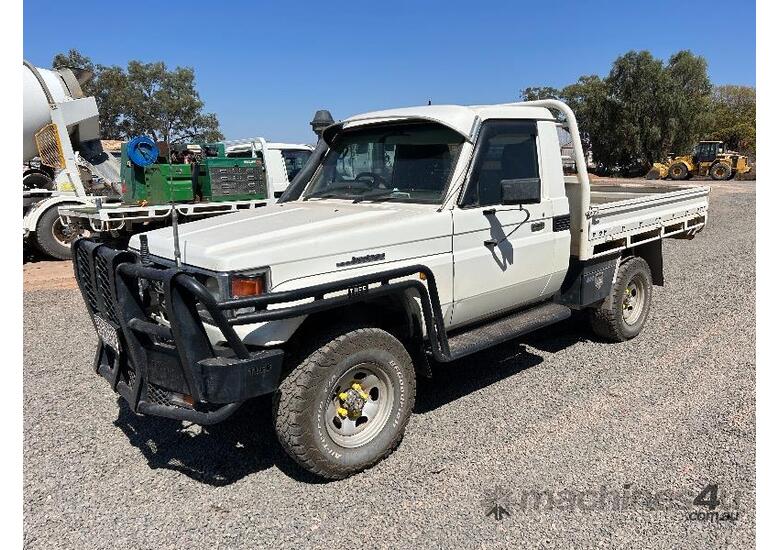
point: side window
(294, 161)
(506, 150)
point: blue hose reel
(142, 151)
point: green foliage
(146, 99)
(588, 98)
(689, 96)
(732, 117)
(540, 92)
(641, 111)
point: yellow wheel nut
(343, 396)
(342, 412)
(364, 395)
(356, 387)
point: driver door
(502, 253)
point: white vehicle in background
(283, 161)
(64, 162)
(72, 187)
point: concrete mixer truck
(72, 187)
(63, 161)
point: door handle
(537, 226)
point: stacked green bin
(232, 179)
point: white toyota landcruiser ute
(414, 236)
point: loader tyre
(345, 401)
(52, 237)
(720, 171)
(678, 171)
(623, 313)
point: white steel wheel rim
(360, 427)
(64, 234)
(633, 301)
(61, 233)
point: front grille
(129, 377)
(157, 394)
(104, 288)
(82, 269)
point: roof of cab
(462, 119)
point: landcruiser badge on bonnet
(362, 259)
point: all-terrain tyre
(720, 171)
(623, 313)
(344, 404)
(678, 171)
(52, 237)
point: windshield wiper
(331, 192)
(383, 194)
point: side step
(506, 328)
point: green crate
(169, 182)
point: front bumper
(171, 371)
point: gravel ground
(667, 413)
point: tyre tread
(605, 320)
(290, 403)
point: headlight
(212, 285)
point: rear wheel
(623, 313)
(678, 171)
(37, 180)
(720, 171)
(344, 406)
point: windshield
(409, 163)
(294, 161)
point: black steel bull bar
(171, 369)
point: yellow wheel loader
(709, 158)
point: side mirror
(521, 191)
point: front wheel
(52, 236)
(345, 405)
(678, 171)
(623, 313)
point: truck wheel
(678, 171)
(624, 312)
(37, 180)
(345, 405)
(52, 237)
(720, 171)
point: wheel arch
(652, 253)
(35, 213)
(394, 313)
(399, 314)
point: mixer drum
(61, 85)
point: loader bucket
(658, 171)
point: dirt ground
(42, 274)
